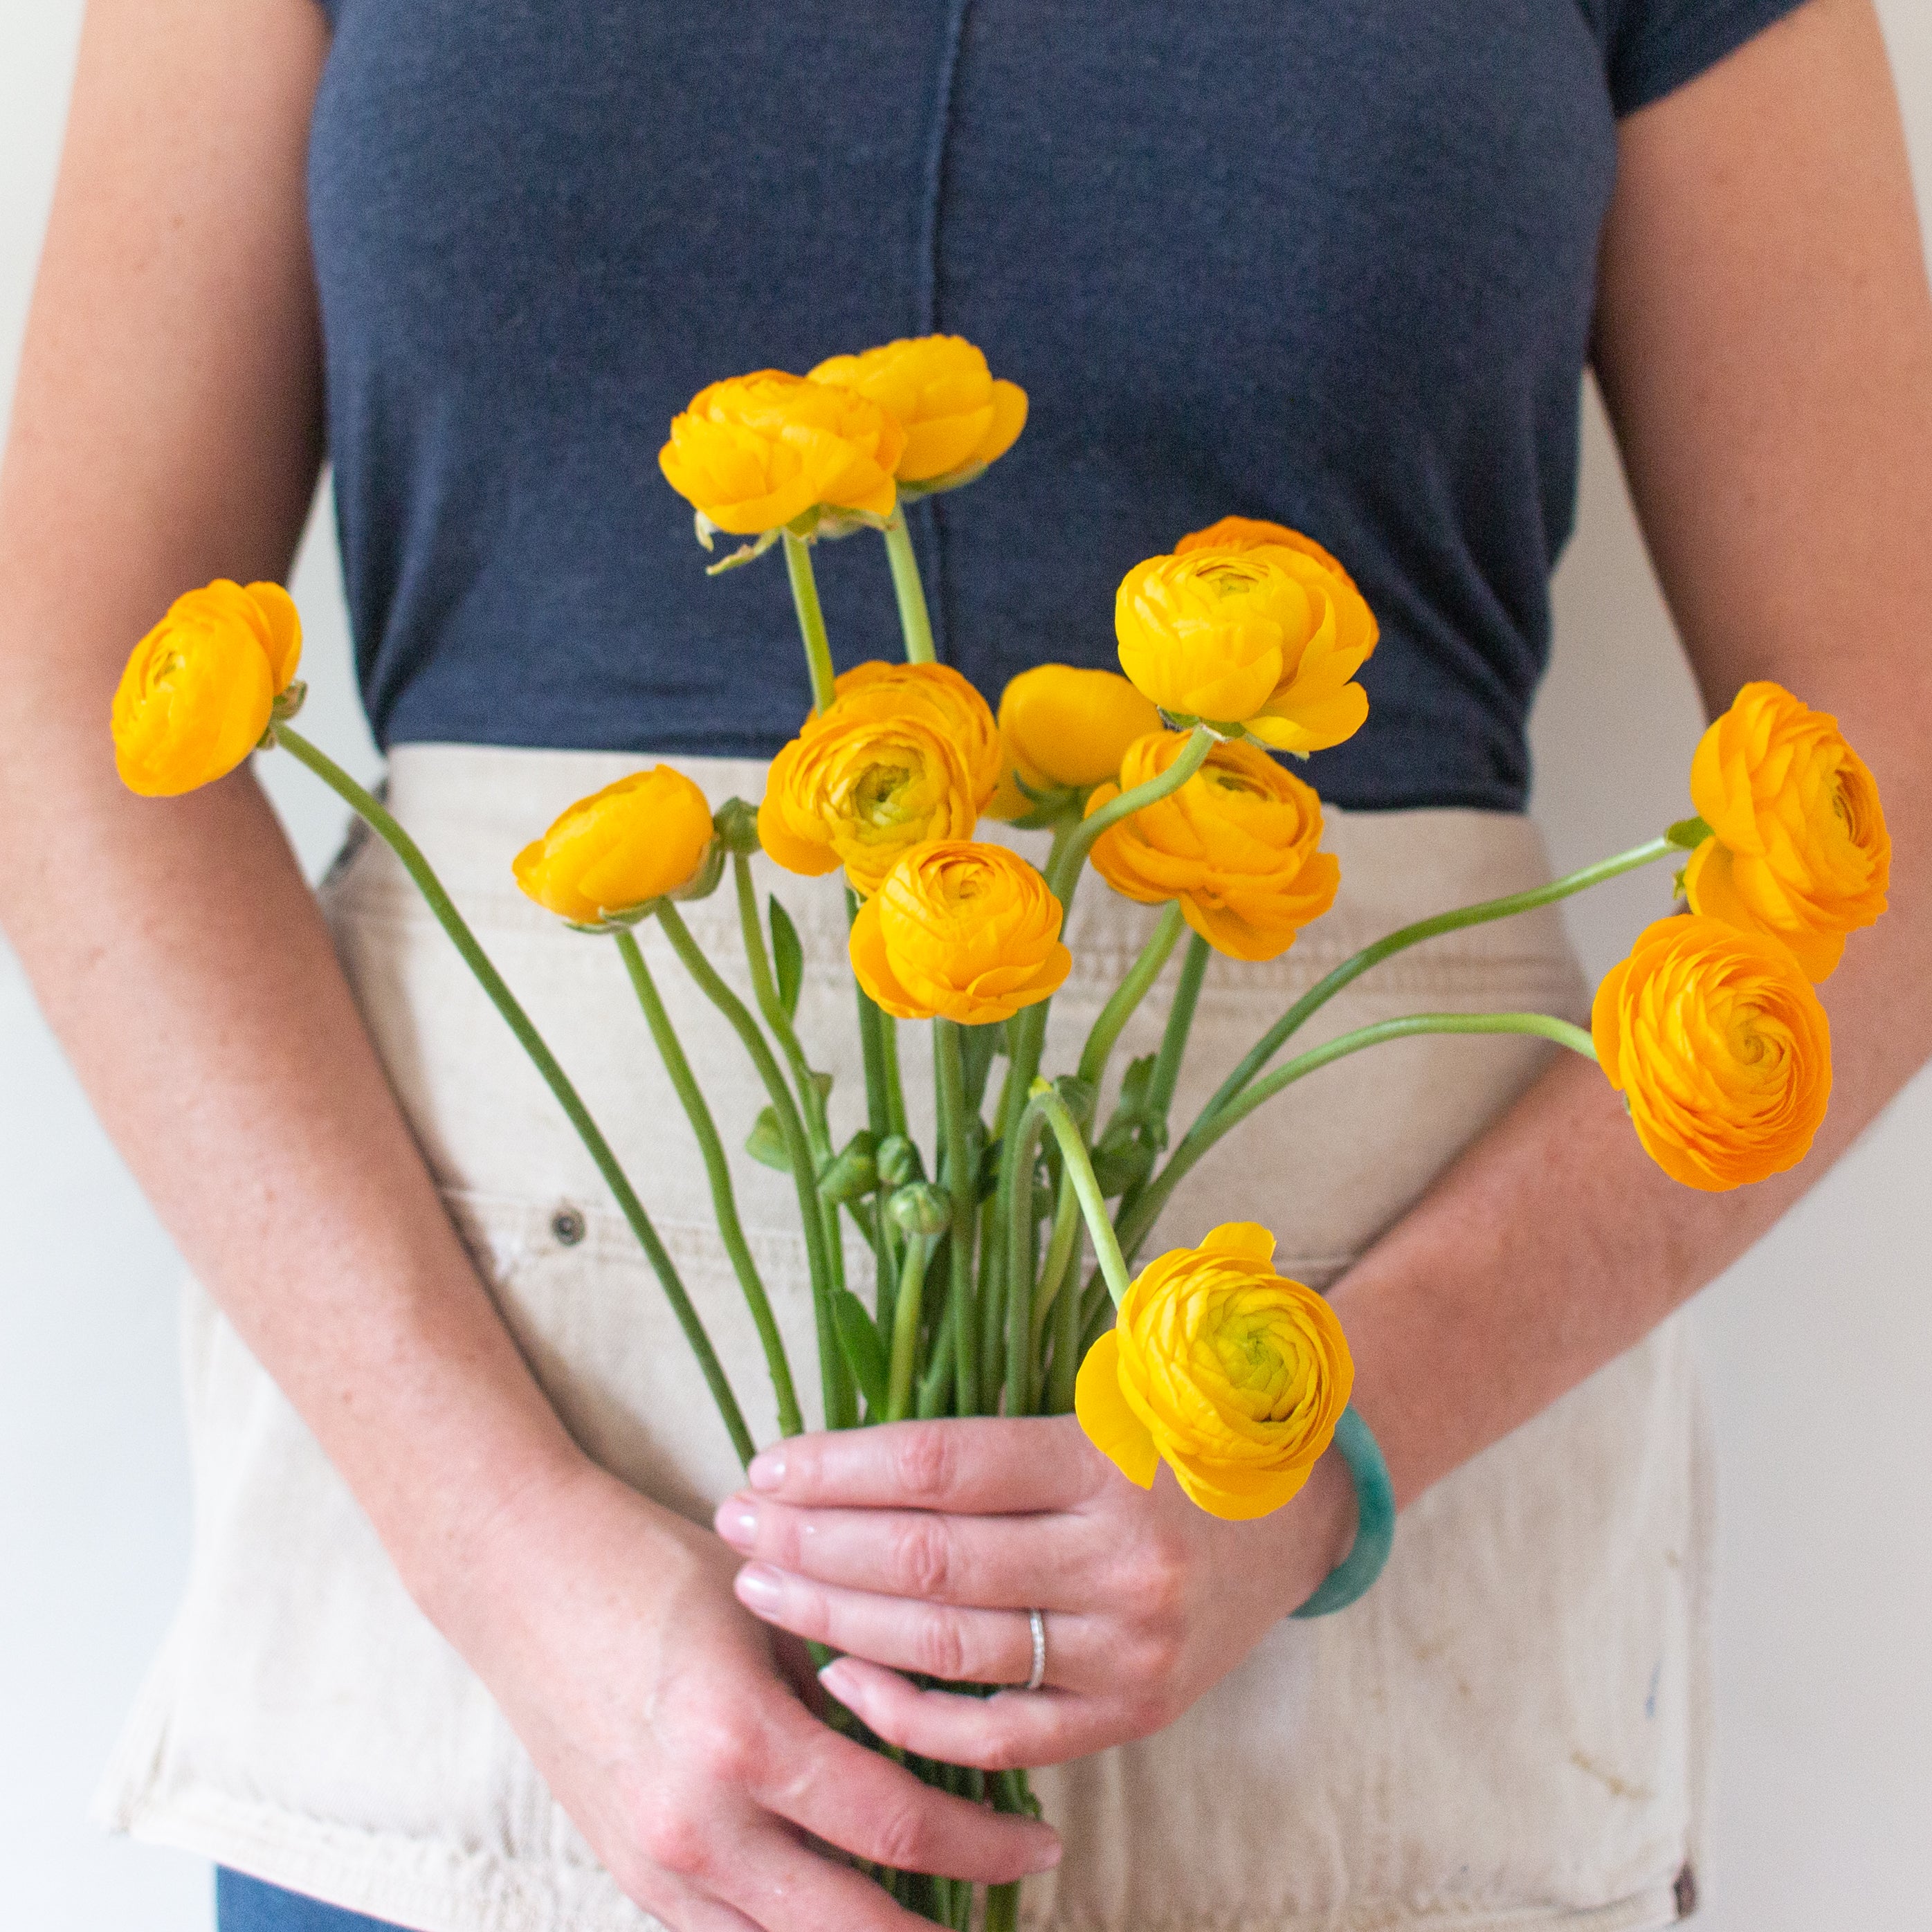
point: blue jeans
(247, 1905)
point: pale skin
(1764, 341)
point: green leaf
(1688, 833)
(859, 1341)
(788, 958)
(766, 1142)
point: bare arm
(166, 431)
(1764, 341)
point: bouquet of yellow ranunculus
(1244, 643)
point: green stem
(841, 1408)
(1180, 1022)
(1017, 1180)
(878, 1041)
(937, 1383)
(811, 620)
(1058, 1297)
(1318, 995)
(1128, 993)
(962, 1182)
(905, 1328)
(1136, 1224)
(1070, 855)
(765, 990)
(384, 825)
(914, 620)
(1052, 1110)
(1069, 1323)
(718, 1172)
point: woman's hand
(670, 1729)
(921, 1546)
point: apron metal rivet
(567, 1225)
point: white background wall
(1817, 1346)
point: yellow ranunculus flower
(1269, 638)
(200, 687)
(956, 414)
(933, 692)
(1799, 849)
(757, 451)
(959, 931)
(858, 789)
(1257, 533)
(1063, 730)
(1236, 845)
(1720, 1047)
(645, 838)
(1232, 1375)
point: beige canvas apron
(1505, 1732)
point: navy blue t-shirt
(1329, 261)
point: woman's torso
(1327, 261)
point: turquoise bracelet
(1375, 1520)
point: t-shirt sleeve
(1656, 45)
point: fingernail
(1049, 1855)
(841, 1681)
(760, 1586)
(737, 1523)
(768, 1469)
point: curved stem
(1135, 1223)
(841, 1408)
(811, 620)
(1069, 856)
(1128, 993)
(718, 1172)
(915, 621)
(1052, 1110)
(384, 825)
(1318, 995)
(963, 1184)
(765, 991)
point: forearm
(182, 959)
(1555, 1243)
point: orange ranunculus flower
(1719, 1044)
(933, 692)
(200, 687)
(646, 837)
(1232, 1375)
(1798, 848)
(1236, 845)
(1269, 637)
(858, 789)
(959, 931)
(1257, 533)
(957, 416)
(1064, 730)
(757, 451)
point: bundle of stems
(982, 1303)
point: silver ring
(1037, 1625)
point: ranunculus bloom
(1236, 845)
(955, 414)
(1719, 1046)
(1063, 730)
(1799, 850)
(959, 931)
(858, 789)
(1232, 1375)
(1269, 638)
(200, 687)
(1257, 533)
(933, 692)
(756, 452)
(644, 837)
